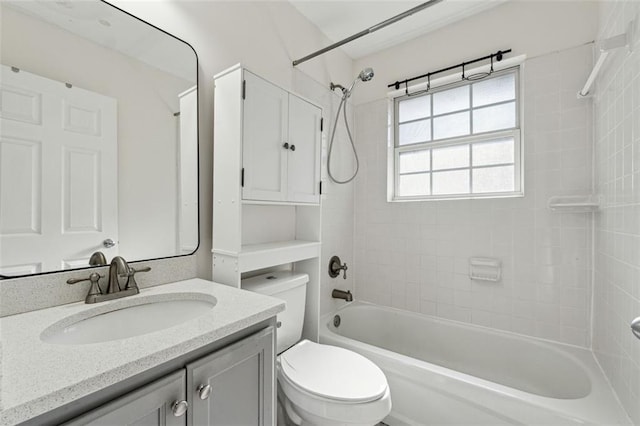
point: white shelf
(258, 256)
(574, 203)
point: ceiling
(108, 26)
(339, 19)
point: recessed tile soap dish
(485, 269)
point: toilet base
(288, 414)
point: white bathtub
(446, 372)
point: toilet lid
(332, 372)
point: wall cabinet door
(150, 405)
(242, 384)
(303, 174)
(281, 144)
(264, 156)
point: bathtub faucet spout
(341, 294)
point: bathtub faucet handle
(335, 266)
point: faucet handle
(94, 290)
(94, 277)
(131, 280)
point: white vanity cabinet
(275, 140)
(232, 386)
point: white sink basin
(121, 320)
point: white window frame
(394, 150)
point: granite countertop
(37, 377)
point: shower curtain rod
(497, 55)
(369, 30)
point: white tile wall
(414, 255)
(617, 226)
(337, 200)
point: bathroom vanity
(216, 368)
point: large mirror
(98, 138)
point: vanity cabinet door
(151, 405)
(242, 384)
(264, 153)
(303, 164)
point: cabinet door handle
(179, 408)
(204, 391)
(293, 147)
(285, 145)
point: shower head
(366, 74)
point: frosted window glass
(416, 131)
(414, 108)
(450, 183)
(494, 118)
(450, 157)
(498, 89)
(411, 185)
(450, 126)
(495, 152)
(493, 179)
(451, 100)
(414, 161)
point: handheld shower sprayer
(365, 75)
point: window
(459, 141)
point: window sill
(491, 196)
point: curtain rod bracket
(607, 47)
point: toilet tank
(290, 287)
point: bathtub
(446, 372)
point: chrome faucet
(341, 294)
(117, 269)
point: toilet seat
(332, 373)
(332, 391)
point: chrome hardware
(336, 321)
(97, 259)
(286, 145)
(94, 289)
(178, 408)
(108, 243)
(293, 147)
(341, 294)
(204, 391)
(635, 327)
(335, 267)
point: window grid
(469, 139)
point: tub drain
(336, 321)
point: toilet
(319, 384)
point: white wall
(414, 255)
(530, 27)
(265, 36)
(617, 225)
(147, 130)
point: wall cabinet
(278, 141)
(232, 386)
(266, 183)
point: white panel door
(303, 164)
(58, 174)
(264, 156)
